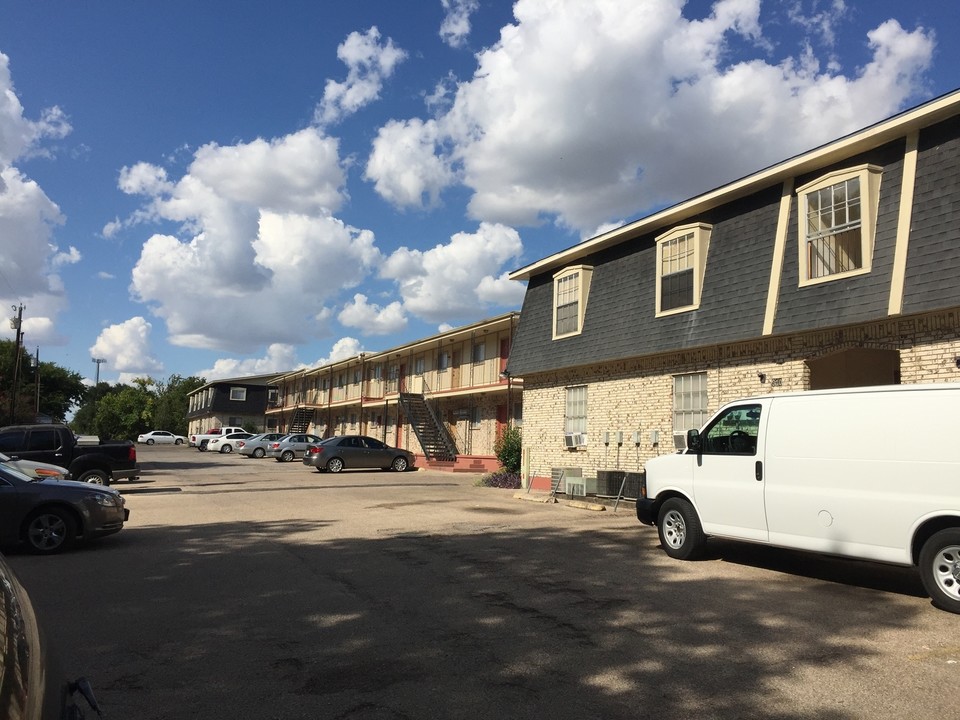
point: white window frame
(239, 394)
(575, 410)
(869, 179)
(476, 418)
(583, 274)
(419, 364)
(690, 402)
(694, 241)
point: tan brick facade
(637, 395)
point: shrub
(509, 449)
(502, 478)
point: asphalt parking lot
(253, 589)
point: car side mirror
(694, 441)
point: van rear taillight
(132, 453)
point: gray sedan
(49, 515)
(291, 446)
(357, 451)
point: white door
(728, 482)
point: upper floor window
(681, 257)
(575, 413)
(238, 393)
(443, 360)
(356, 376)
(837, 215)
(571, 286)
(418, 366)
(479, 352)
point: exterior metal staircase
(302, 417)
(433, 436)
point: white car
(226, 443)
(161, 437)
(37, 470)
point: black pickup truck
(57, 444)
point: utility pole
(96, 384)
(36, 361)
(16, 323)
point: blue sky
(232, 188)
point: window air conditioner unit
(569, 441)
(680, 441)
(580, 439)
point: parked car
(161, 437)
(256, 446)
(357, 451)
(856, 472)
(291, 446)
(34, 685)
(99, 463)
(50, 515)
(200, 440)
(36, 469)
(226, 443)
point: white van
(871, 473)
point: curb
(534, 498)
(595, 507)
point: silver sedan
(291, 446)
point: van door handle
(759, 470)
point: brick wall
(637, 395)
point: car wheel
(150, 441)
(95, 477)
(178, 441)
(49, 531)
(399, 464)
(334, 465)
(286, 456)
(259, 452)
(226, 449)
(680, 531)
(940, 569)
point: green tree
(509, 448)
(127, 413)
(60, 389)
(85, 419)
(170, 410)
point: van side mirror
(693, 441)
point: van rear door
(728, 477)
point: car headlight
(107, 500)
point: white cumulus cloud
(371, 319)
(126, 348)
(454, 281)
(280, 358)
(456, 21)
(584, 112)
(369, 62)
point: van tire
(940, 569)
(681, 534)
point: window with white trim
(443, 360)
(475, 417)
(575, 416)
(418, 365)
(238, 393)
(571, 286)
(689, 402)
(681, 258)
(837, 216)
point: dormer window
(571, 287)
(837, 215)
(681, 257)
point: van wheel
(940, 569)
(681, 534)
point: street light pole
(36, 379)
